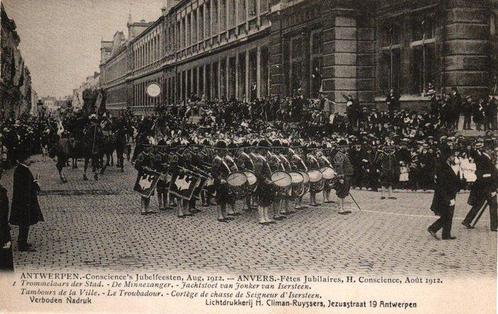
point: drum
(315, 176)
(328, 176)
(316, 181)
(297, 187)
(282, 182)
(306, 182)
(251, 182)
(236, 183)
(328, 173)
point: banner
(146, 182)
(184, 183)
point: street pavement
(97, 225)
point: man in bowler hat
(447, 187)
(25, 210)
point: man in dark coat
(484, 189)
(6, 261)
(344, 169)
(443, 203)
(25, 210)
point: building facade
(250, 49)
(15, 78)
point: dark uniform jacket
(25, 209)
(487, 178)
(447, 186)
(265, 191)
(4, 217)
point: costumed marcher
(344, 169)
(313, 164)
(265, 190)
(144, 162)
(25, 209)
(389, 172)
(275, 165)
(327, 184)
(298, 164)
(220, 172)
(443, 202)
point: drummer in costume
(265, 190)
(246, 163)
(344, 169)
(206, 159)
(161, 166)
(298, 164)
(232, 208)
(324, 162)
(219, 172)
(144, 162)
(185, 162)
(313, 164)
(286, 165)
(275, 165)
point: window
(252, 8)
(232, 14)
(253, 74)
(265, 70)
(315, 63)
(215, 18)
(215, 80)
(207, 18)
(188, 31)
(232, 77)
(242, 11)
(296, 65)
(223, 15)
(194, 27)
(201, 81)
(423, 57)
(263, 6)
(208, 81)
(194, 79)
(242, 76)
(201, 23)
(223, 78)
(390, 59)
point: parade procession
(321, 127)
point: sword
(480, 212)
(355, 201)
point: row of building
(16, 93)
(258, 48)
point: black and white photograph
(249, 155)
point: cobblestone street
(97, 225)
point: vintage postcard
(273, 156)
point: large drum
(328, 173)
(316, 181)
(236, 183)
(306, 182)
(282, 182)
(251, 182)
(297, 187)
(328, 177)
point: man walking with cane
(483, 191)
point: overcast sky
(60, 39)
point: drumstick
(278, 180)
